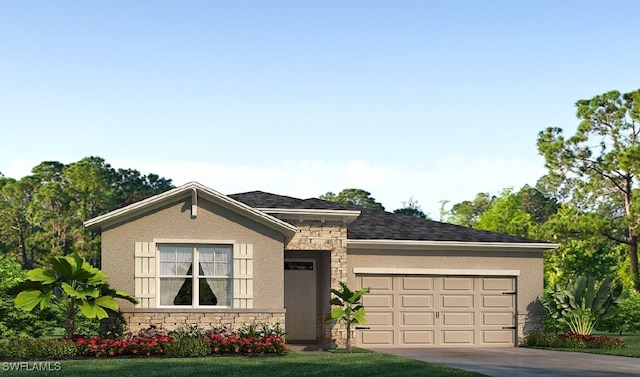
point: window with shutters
(195, 275)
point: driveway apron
(523, 362)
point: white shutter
(243, 276)
(145, 274)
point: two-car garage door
(440, 311)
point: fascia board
(440, 245)
(157, 201)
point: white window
(207, 285)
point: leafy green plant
(581, 304)
(349, 309)
(42, 348)
(192, 331)
(259, 329)
(574, 341)
(627, 320)
(189, 347)
(15, 323)
(75, 285)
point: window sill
(199, 310)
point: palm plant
(582, 303)
(349, 309)
(74, 284)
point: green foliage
(189, 347)
(574, 341)
(192, 331)
(627, 320)
(411, 208)
(353, 196)
(596, 168)
(582, 303)
(347, 308)
(40, 348)
(42, 215)
(468, 212)
(15, 322)
(75, 285)
(259, 329)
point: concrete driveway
(523, 362)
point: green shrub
(189, 347)
(192, 331)
(39, 348)
(573, 341)
(259, 329)
(627, 320)
(15, 323)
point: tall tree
(353, 196)
(468, 212)
(601, 161)
(411, 208)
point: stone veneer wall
(529, 323)
(332, 237)
(170, 319)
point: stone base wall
(171, 320)
(529, 323)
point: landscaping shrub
(573, 341)
(136, 346)
(627, 320)
(259, 329)
(189, 347)
(234, 344)
(38, 348)
(16, 323)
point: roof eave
(346, 216)
(377, 244)
(157, 201)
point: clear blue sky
(426, 99)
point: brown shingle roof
(380, 225)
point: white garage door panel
(497, 337)
(457, 319)
(420, 301)
(457, 337)
(378, 301)
(498, 319)
(505, 301)
(372, 338)
(417, 284)
(440, 311)
(380, 318)
(457, 284)
(498, 284)
(416, 319)
(378, 283)
(457, 301)
(417, 338)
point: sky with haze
(430, 100)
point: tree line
(587, 201)
(42, 214)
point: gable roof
(196, 190)
(380, 225)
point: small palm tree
(74, 284)
(349, 309)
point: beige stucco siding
(529, 263)
(212, 222)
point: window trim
(195, 243)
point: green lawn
(294, 365)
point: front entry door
(300, 299)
